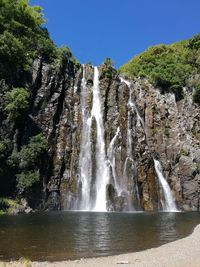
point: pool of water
(74, 235)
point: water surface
(74, 235)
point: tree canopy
(22, 37)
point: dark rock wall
(171, 133)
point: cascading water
(85, 162)
(111, 158)
(168, 204)
(102, 171)
(98, 202)
(132, 105)
(129, 157)
(95, 166)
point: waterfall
(111, 158)
(95, 165)
(169, 203)
(85, 161)
(98, 202)
(102, 171)
(132, 105)
(129, 152)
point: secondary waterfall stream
(111, 158)
(129, 154)
(168, 203)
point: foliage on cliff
(17, 103)
(8, 205)
(22, 38)
(28, 160)
(168, 67)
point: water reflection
(166, 225)
(72, 235)
(93, 233)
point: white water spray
(111, 158)
(85, 161)
(102, 171)
(169, 203)
(129, 153)
(132, 105)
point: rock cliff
(144, 123)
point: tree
(22, 37)
(28, 160)
(27, 179)
(108, 62)
(107, 69)
(18, 102)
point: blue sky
(119, 29)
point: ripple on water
(74, 235)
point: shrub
(108, 62)
(107, 69)
(27, 179)
(28, 161)
(8, 205)
(30, 154)
(63, 56)
(194, 42)
(4, 147)
(165, 66)
(17, 103)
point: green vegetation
(167, 66)
(4, 147)
(107, 69)
(8, 205)
(22, 38)
(29, 155)
(63, 56)
(194, 42)
(27, 179)
(17, 103)
(28, 161)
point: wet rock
(157, 125)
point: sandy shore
(181, 253)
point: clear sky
(119, 29)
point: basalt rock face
(140, 124)
(173, 136)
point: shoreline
(180, 253)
